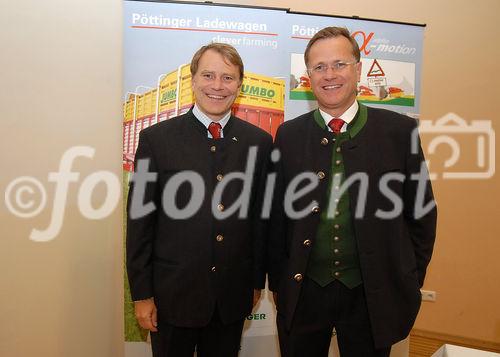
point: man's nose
(217, 83)
(330, 72)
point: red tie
(336, 124)
(215, 129)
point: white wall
(60, 80)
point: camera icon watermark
(469, 148)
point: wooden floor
(425, 343)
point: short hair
(331, 32)
(228, 52)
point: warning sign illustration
(387, 82)
(375, 70)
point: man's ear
(192, 82)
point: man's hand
(145, 313)
(256, 296)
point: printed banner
(391, 57)
(159, 42)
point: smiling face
(215, 84)
(334, 89)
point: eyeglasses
(322, 67)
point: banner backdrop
(391, 56)
(161, 38)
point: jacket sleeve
(259, 221)
(420, 211)
(141, 222)
(276, 247)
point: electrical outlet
(428, 295)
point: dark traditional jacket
(394, 252)
(191, 264)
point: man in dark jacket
(353, 219)
(195, 243)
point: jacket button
(219, 238)
(337, 274)
(321, 175)
(336, 226)
(297, 278)
(336, 238)
(307, 242)
(220, 207)
(337, 263)
(213, 148)
(336, 251)
(324, 141)
(338, 162)
(220, 177)
(315, 209)
(213, 269)
(338, 149)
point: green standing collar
(354, 126)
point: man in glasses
(196, 264)
(350, 240)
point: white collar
(205, 120)
(348, 116)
